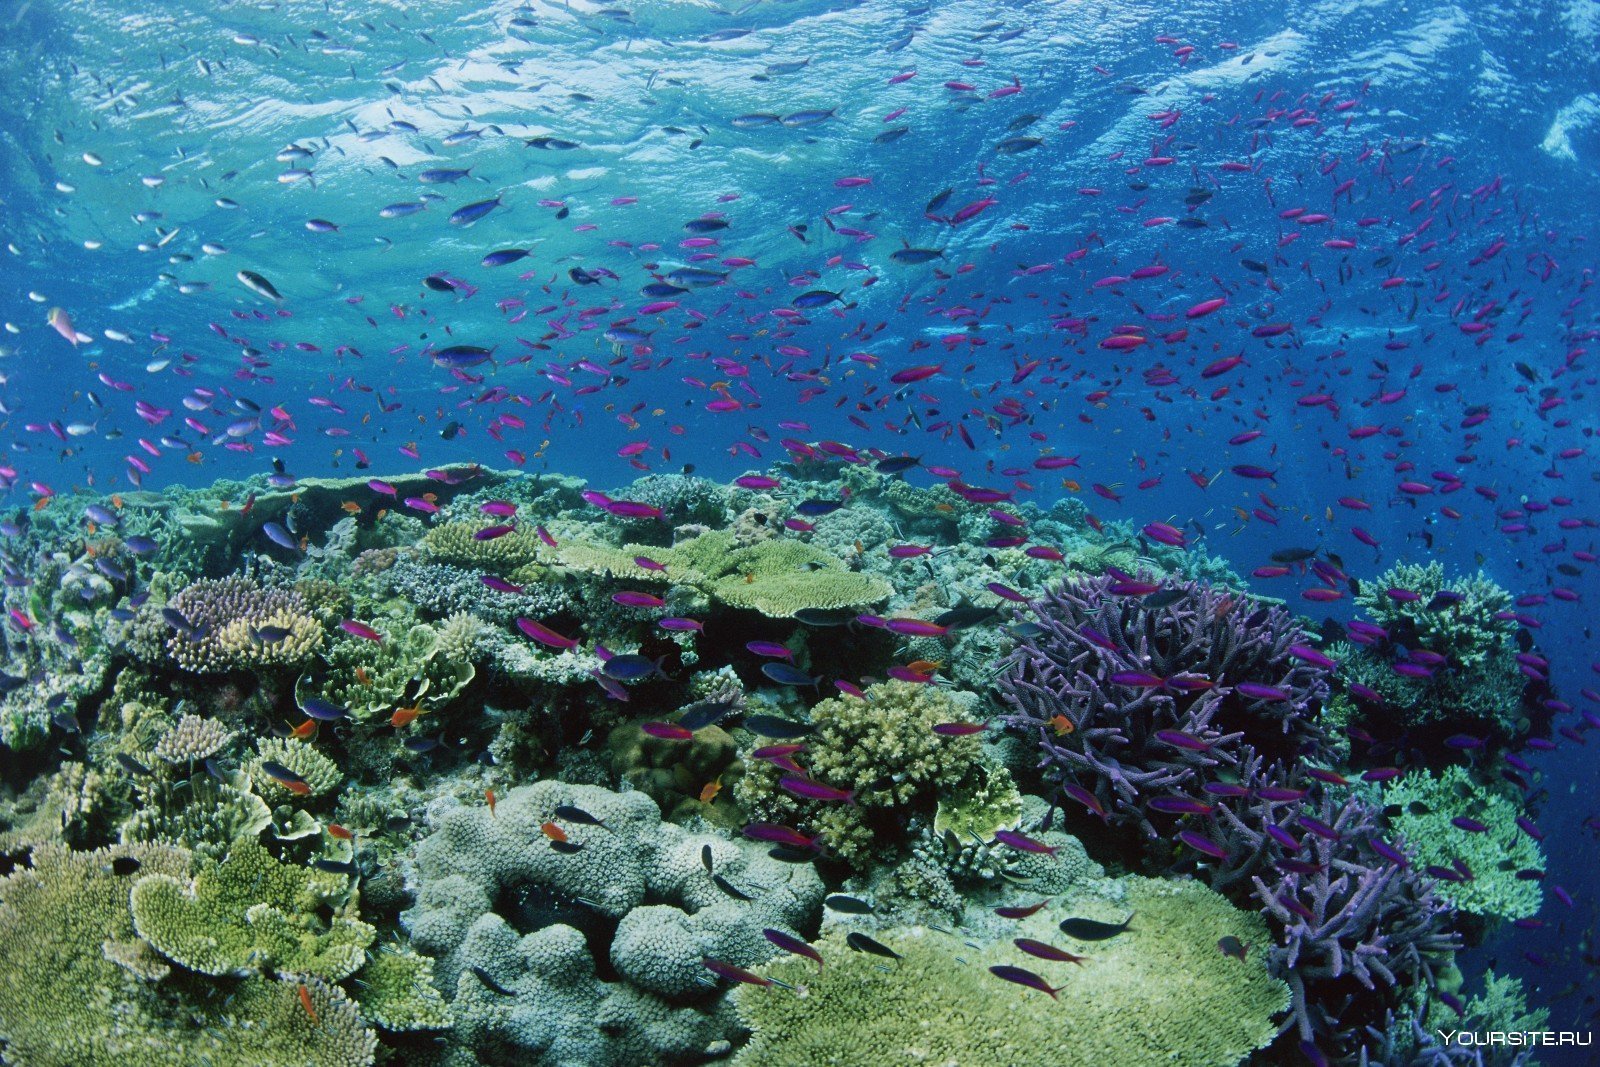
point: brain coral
(1161, 993)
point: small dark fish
(898, 464)
(965, 617)
(334, 866)
(778, 729)
(1163, 599)
(729, 888)
(787, 674)
(705, 858)
(847, 904)
(1293, 555)
(577, 815)
(269, 635)
(566, 847)
(1092, 929)
(630, 667)
(816, 508)
(1232, 946)
(823, 617)
(65, 722)
(439, 284)
(131, 765)
(420, 745)
(466, 216)
(174, 618)
(123, 866)
(862, 943)
(490, 984)
(706, 713)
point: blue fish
(466, 216)
(279, 536)
(788, 674)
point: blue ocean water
(1279, 276)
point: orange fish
(553, 832)
(116, 501)
(305, 731)
(924, 666)
(248, 504)
(194, 457)
(299, 789)
(305, 1002)
(42, 503)
(1069, 484)
(350, 507)
(710, 791)
(944, 507)
(432, 498)
(1062, 724)
(335, 830)
(402, 716)
(362, 676)
(489, 795)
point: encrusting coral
(1160, 992)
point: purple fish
(804, 787)
(1390, 853)
(491, 533)
(1023, 843)
(769, 648)
(1180, 806)
(1471, 826)
(779, 835)
(1257, 691)
(1310, 655)
(1024, 978)
(1201, 843)
(1318, 827)
(790, 943)
(1179, 739)
(1137, 680)
(1086, 798)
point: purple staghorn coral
(1160, 699)
(1352, 915)
(1195, 721)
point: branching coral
(1464, 619)
(1159, 699)
(1425, 813)
(884, 750)
(458, 544)
(233, 623)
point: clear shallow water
(1444, 300)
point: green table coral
(1161, 993)
(250, 911)
(883, 749)
(1424, 807)
(77, 986)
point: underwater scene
(799, 533)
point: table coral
(250, 911)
